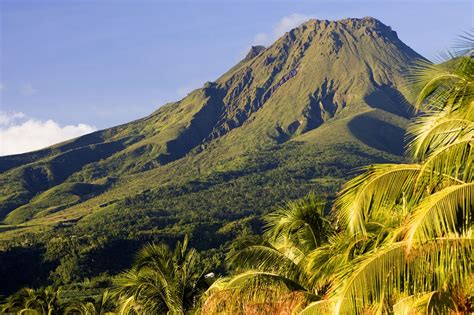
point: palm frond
(139, 289)
(255, 290)
(465, 43)
(434, 302)
(446, 211)
(434, 130)
(455, 160)
(326, 262)
(302, 221)
(268, 259)
(380, 186)
(417, 303)
(443, 85)
(154, 255)
(323, 307)
(367, 282)
(391, 268)
(255, 279)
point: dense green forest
(205, 209)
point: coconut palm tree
(425, 263)
(162, 281)
(269, 273)
(29, 301)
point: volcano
(294, 117)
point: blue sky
(95, 64)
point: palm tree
(426, 261)
(270, 275)
(29, 301)
(102, 305)
(162, 281)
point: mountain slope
(326, 97)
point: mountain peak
(367, 21)
(362, 24)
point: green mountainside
(298, 116)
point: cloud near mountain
(285, 24)
(20, 133)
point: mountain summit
(296, 116)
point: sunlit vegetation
(162, 281)
(396, 239)
(401, 237)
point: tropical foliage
(397, 239)
(270, 272)
(162, 281)
(51, 301)
(29, 301)
(404, 236)
(426, 259)
(102, 305)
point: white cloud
(8, 118)
(28, 90)
(19, 134)
(2, 87)
(284, 25)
